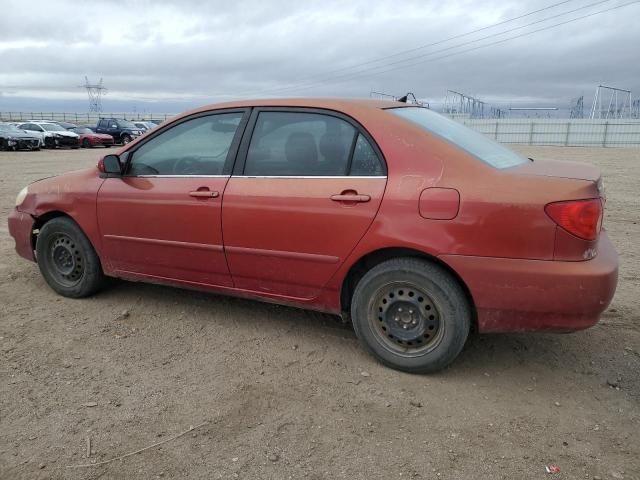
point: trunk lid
(560, 169)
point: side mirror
(110, 164)
(114, 126)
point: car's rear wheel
(86, 143)
(411, 314)
(126, 139)
(67, 260)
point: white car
(53, 134)
(38, 135)
(145, 126)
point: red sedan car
(413, 226)
(90, 139)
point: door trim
(168, 243)
(309, 257)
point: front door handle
(204, 194)
(350, 197)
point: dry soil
(290, 394)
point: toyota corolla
(412, 226)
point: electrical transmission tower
(617, 101)
(577, 108)
(635, 108)
(95, 91)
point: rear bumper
(20, 228)
(514, 295)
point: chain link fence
(529, 131)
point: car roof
(345, 105)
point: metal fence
(529, 131)
(80, 118)
(569, 133)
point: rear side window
(299, 144)
(475, 143)
(196, 147)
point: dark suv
(122, 131)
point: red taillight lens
(581, 218)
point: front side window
(299, 144)
(475, 143)
(196, 147)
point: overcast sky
(168, 56)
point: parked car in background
(13, 138)
(122, 131)
(54, 134)
(413, 226)
(90, 139)
(145, 126)
(66, 125)
(39, 135)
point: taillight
(581, 218)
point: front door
(162, 218)
(308, 185)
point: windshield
(53, 127)
(126, 124)
(83, 130)
(469, 140)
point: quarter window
(195, 147)
(299, 144)
(365, 161)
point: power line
(413, 59)
(439, 42)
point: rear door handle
(350, 197)
(204, 194)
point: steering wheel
(186, 166)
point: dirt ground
(288, 393)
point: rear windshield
(469, 140)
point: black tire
(411, 314)
(86, 143)
(67, 260)
(126, 139)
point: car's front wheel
(126, 139)
(86, 143)
(411, 314)
(67, 260)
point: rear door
(306, 187)
(162, 218)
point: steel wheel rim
(406, 319)
(66, 261)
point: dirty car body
(413, 226)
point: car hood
(65, 134)
(53, 181)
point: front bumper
(515, 295)
(20, 228)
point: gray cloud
(177, 54)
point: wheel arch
(40, 220)
(371, 259)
